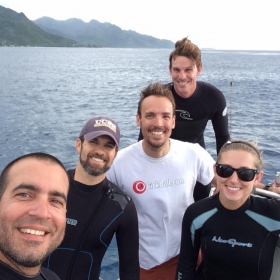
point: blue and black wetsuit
(94, 215)
(7, 273)
(193, 113)
(235, 244)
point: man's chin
(96, 171)
(156, 145)
(180, 88)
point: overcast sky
(219, 24)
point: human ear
(258, 177)
(138, 121)
(199, 69)
(78, 145)
(173, 121)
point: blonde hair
(242, 145)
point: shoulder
(183, 146)
(209, 90)
(117, 195)
(265, 212)
(70, 173)
(179, 143)
(48, 274)
(188, 148)
(203, 209)
(266, 206)
(170, 85)
(131, 149)
(208, 87)
(126, 155)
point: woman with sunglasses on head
(237, 232)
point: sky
(218, 24)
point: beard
(93, 169)
(28, 253)
(155, 145)
(22, 258)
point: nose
(158, 121)
(99, 149)
(234, 177)
(182, 75)
(40, 208)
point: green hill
(16, 29)
(97, 34)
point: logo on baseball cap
(101, 126)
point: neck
(184, 94)
(231, 205)
(83, 177)
(155, 152)
(27, 271)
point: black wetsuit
(193, 113)
(94, 215)
(236, 244)
(7, 273)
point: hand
(274, 189)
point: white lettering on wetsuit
(71, 222)
(232, 242)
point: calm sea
(47, 94)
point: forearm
(184, 273)
(128, 244)
(268, 187)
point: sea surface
(47, 94)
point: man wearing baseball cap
(96, 210)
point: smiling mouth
(183, 83)
(97, 159)
(157, 132)
(32, 231)
(233, 189)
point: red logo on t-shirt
(139, 187)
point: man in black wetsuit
(196, 102)
(96, 210)
(33, 191)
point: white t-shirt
(162, 189)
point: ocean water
(47, 94)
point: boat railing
(256, 191)
(266, 193)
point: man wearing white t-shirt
(160, 173)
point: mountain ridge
(17, 30)
(95, 33)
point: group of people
(152, 195)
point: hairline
(158, 90)
(40, 156)
(246, 146)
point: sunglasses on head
(244, 174)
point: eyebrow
(184, 68)
(37, 189)
(161, 113)
(110, 140)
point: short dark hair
(156, 89)
(82, 139)
(38, 155)
(186, 48)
